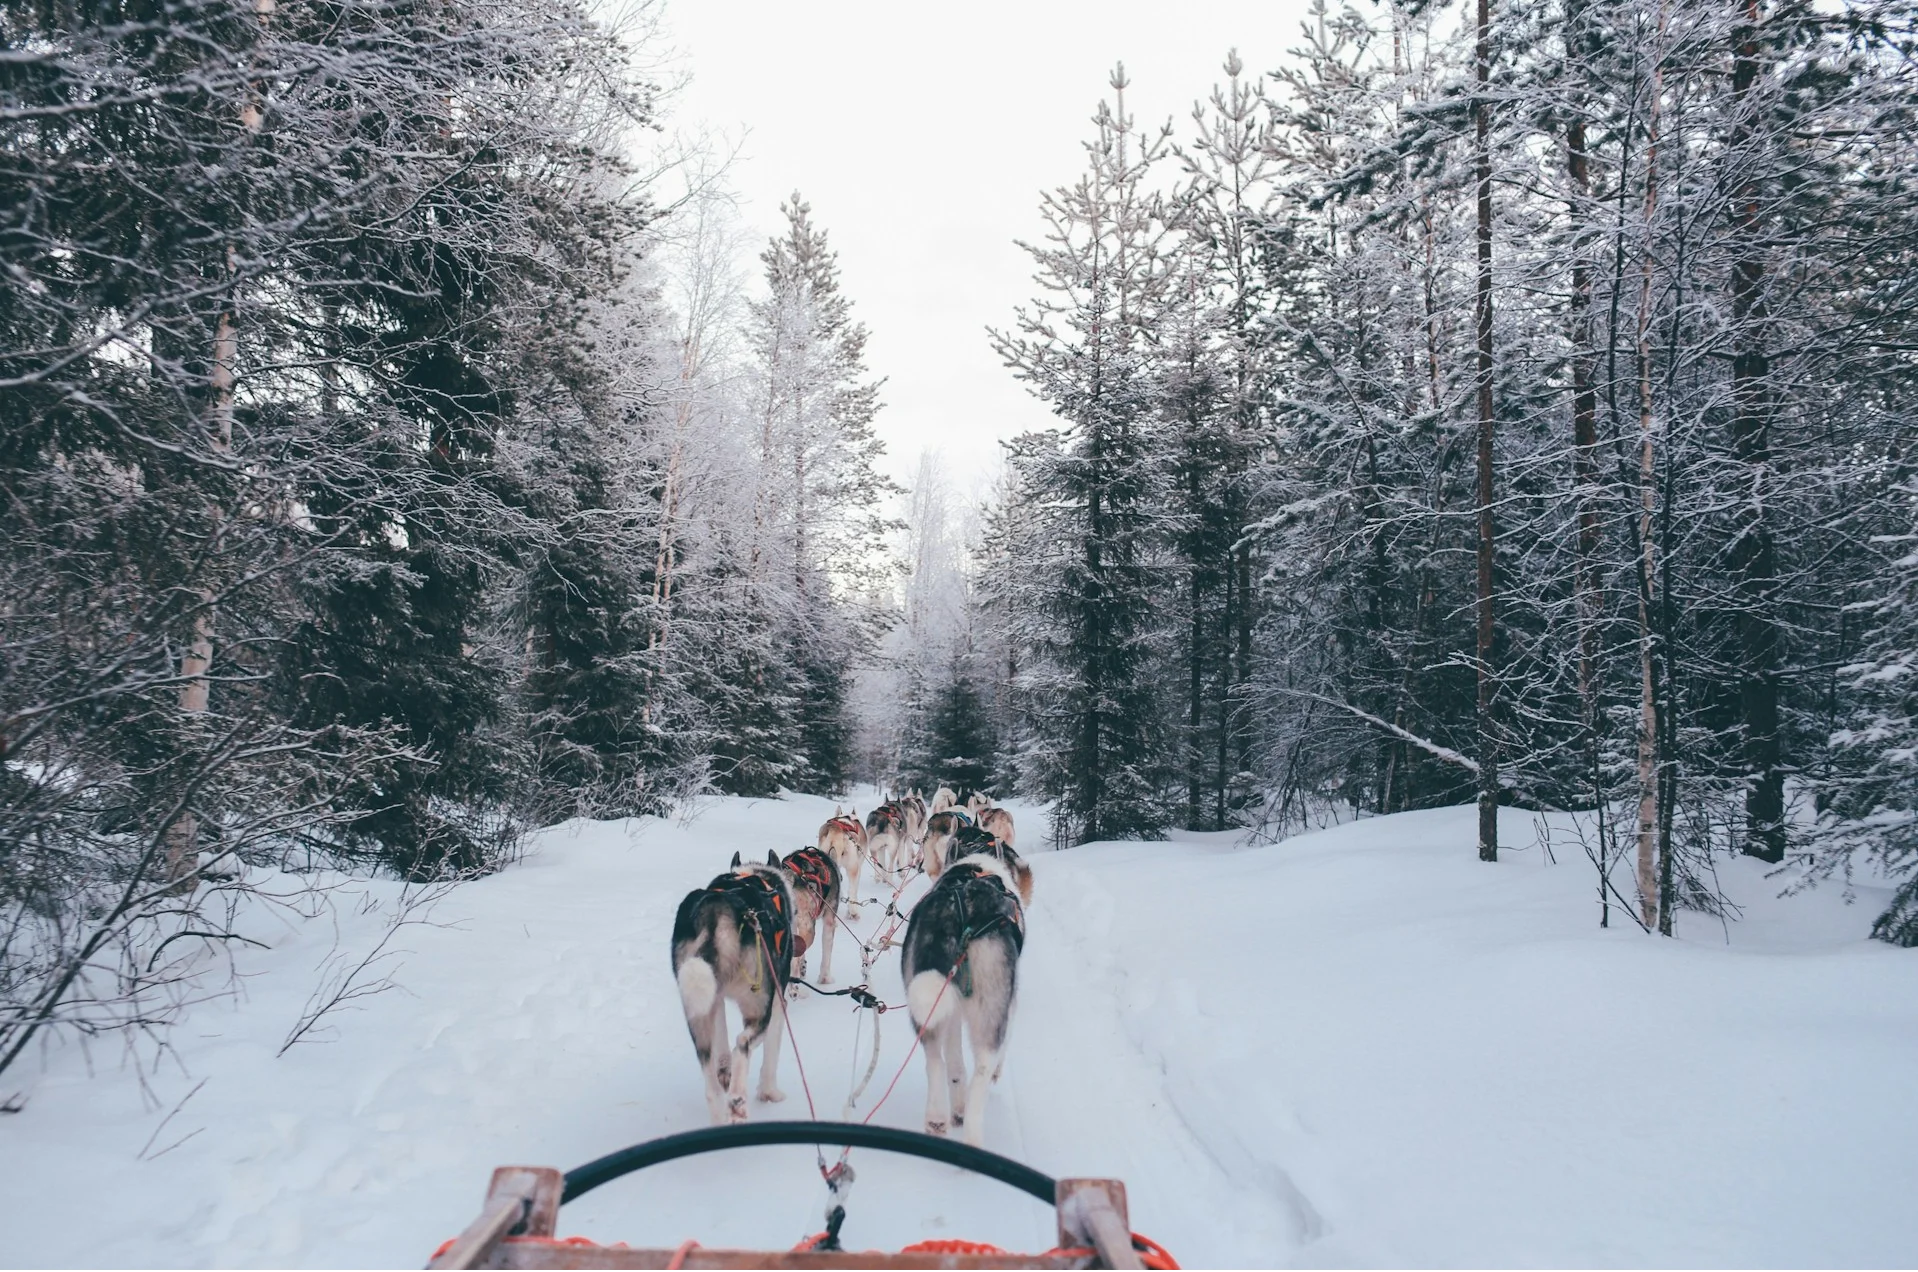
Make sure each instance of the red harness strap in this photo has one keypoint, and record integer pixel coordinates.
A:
(814, 873)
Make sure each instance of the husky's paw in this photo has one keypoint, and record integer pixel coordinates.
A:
(935, 1128)
(958, 1119)
(826, 979)
(737, 1107)
(795, 992)
(771, 1095)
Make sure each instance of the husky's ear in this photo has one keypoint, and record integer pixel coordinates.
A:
(772, 856)
(735, 861)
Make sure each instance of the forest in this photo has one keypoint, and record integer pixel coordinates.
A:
(403, 448)
(1509, 406)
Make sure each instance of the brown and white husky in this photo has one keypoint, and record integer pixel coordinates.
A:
(998, 822)
(976, 841)
(844, 836)
(815, 882)
(940, 829)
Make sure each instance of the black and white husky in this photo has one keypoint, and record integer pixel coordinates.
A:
(961, 968)
(968, 841)
(733, 940)
(915, 810)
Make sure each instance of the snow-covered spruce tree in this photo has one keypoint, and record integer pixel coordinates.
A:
(1867, 802)
(952, 744)
(1841, 502)
(1091, 644)
(816, 525)
(589, 475)
(1218, 391)
(1365, 694)
(1007, 618)
(461, 297)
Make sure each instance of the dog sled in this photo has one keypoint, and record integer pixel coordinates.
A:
(517, 1225)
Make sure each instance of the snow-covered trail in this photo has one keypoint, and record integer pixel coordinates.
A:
(1355, 1047)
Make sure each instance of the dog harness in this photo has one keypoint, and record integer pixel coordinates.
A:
(764, 903)
(1016, 916)
(812, 868)
(965, 879)
(814, 872)
(977, 839)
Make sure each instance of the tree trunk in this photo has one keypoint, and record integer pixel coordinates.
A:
(1487, 676)
(1753, 555)
(664, 550)
(1195, 703)
(1648, 724)
(1585, 453)
(180, 860)
(1229, 621)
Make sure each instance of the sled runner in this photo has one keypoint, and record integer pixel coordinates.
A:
(516, 1226)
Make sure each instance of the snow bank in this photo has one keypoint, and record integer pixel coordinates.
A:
(1359, 1046)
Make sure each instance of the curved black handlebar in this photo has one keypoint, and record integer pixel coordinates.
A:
(583, 1179)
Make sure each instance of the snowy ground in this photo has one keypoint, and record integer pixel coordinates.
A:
(1355, 1047)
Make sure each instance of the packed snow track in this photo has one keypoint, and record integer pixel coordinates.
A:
(1355, 1047)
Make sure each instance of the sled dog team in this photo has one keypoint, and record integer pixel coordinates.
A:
(745, 936)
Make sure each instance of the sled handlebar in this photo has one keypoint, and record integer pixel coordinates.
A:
(712, 1139)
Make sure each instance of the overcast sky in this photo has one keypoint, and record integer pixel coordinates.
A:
(922, 136)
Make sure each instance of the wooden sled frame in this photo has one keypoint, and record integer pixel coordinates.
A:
(517, 1225)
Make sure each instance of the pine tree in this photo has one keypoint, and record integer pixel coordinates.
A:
(954, 745)
(1223, 211)
(817, 528)
(1085, 349)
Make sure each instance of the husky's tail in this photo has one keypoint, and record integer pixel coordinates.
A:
(698, 987)
(932, 999)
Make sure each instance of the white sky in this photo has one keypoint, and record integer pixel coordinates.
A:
(922, 135)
